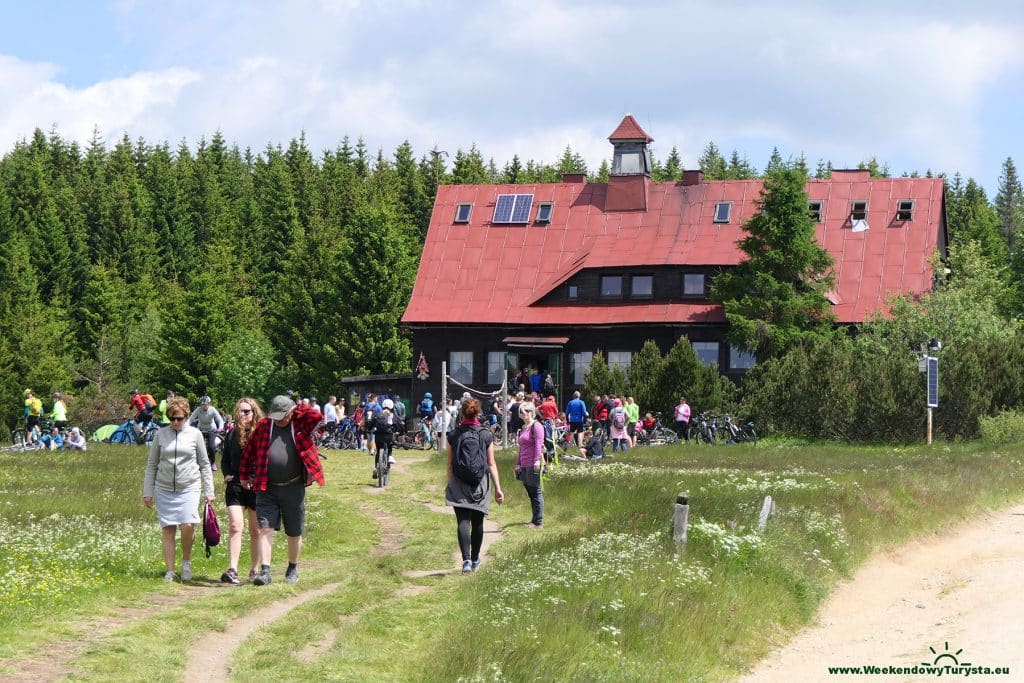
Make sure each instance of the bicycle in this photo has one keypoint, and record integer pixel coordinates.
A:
(706, 428)
(657, 435)
(737, 433)
(382, 466)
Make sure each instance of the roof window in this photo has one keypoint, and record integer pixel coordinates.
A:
(858, 211)
(462, 213)
(814, 208)
(544, 210)
(722, 212)
(512, 208)
(905, 210)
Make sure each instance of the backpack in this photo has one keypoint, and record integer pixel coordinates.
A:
(148, 401)
(619, 418)
(211, 529)
(470, 462)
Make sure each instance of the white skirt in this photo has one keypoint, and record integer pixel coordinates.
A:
(177, 507)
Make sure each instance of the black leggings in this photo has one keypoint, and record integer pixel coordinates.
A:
(470, 541)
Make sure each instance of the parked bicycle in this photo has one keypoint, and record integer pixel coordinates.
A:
(657, 435)
(703, 431)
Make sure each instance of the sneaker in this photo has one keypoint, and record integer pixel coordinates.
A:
(170, 577)
(231, 577)
(475, 565)
(391, 460)
(262, 579)
(252, 575)
(213, 466)
(186, 570)
(291, 576)
(467, 566)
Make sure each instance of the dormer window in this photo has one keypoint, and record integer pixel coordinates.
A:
(544, 210)
(858, 211)
(573, 292)
(641, 286)
(722, 212)
(814, 208)
(512, 208)
(611, 286)
(462, 213)
(905, 210)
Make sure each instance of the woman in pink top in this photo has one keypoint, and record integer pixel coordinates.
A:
(531, 459)
(683, 419)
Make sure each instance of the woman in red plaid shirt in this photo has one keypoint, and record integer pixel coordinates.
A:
(279, 462)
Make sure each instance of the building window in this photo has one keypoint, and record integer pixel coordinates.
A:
(815, 210)
(740, 359)
(544, 210)
(707, 352)
(611, 286)
(462, 213)
(574, 292)
(580, 366)
(495, 367)
(460, 366)
(629, 162)
(620, 360)
(693, 284)
(858, 211)
(642, 286)
(722, 212)
(905, 210)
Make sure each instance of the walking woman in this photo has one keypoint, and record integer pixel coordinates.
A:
(177, 468)
(472, 501)
(530, 461)
(241, 502)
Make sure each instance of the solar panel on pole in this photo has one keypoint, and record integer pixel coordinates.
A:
(933, 382)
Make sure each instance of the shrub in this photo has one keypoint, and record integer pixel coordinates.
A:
(1006, 427)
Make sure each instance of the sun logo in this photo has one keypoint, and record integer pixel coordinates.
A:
(947, 656)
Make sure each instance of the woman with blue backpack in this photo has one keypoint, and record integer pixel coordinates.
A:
(471, 474)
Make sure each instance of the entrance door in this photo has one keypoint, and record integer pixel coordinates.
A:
(555, 368)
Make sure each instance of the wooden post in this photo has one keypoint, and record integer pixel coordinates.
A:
(766, 509)
(443, 436)
(680, 518)
(504, 409)
(929, 425)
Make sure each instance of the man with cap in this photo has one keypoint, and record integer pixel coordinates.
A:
(279, 462)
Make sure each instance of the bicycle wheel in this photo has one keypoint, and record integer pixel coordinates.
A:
(749, 434)
(668, 436)
(382, 467)
(347, 440)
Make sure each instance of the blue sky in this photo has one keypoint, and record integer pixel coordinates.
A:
(919, 85)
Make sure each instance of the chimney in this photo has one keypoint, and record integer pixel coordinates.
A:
(693, 177)
(574, 178)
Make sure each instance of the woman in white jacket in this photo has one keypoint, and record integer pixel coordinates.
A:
(177, 468)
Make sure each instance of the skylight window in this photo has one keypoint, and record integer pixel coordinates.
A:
(544, 210)
(462, 213)
(858, 211)
(722, 212)
(905, 210)
(512, 208)
(815, 210)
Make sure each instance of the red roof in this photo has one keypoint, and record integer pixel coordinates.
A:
(484, 273)
(629, 129)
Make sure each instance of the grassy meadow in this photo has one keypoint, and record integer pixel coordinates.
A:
(599, 594)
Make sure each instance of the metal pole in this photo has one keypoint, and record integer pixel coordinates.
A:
(504, 409)
(929, 425)
(680, 518)
(443, 436)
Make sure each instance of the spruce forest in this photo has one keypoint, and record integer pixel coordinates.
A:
(211, 269)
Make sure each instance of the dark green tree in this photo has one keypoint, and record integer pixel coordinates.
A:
(712, 163)
(776, 296)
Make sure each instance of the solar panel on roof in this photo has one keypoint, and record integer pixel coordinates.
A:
(503, 208)
(521, 212)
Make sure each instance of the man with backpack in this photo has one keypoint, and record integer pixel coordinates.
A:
(471, 474)
(144, 404)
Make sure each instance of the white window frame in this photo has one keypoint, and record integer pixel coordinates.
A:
(817, 212)
(460, 364)
(905, 210)
(458, 213)
(706, 346)
(728, 212)
(544, 211)
(854, 211)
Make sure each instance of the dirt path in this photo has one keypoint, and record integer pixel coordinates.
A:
(960, 591)
(492, 534)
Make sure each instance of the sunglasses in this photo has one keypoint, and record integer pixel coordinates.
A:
(177, 418)
(245, 411)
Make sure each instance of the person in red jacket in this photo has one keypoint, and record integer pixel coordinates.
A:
(548, 410)
(279, 461)
(144, 403)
